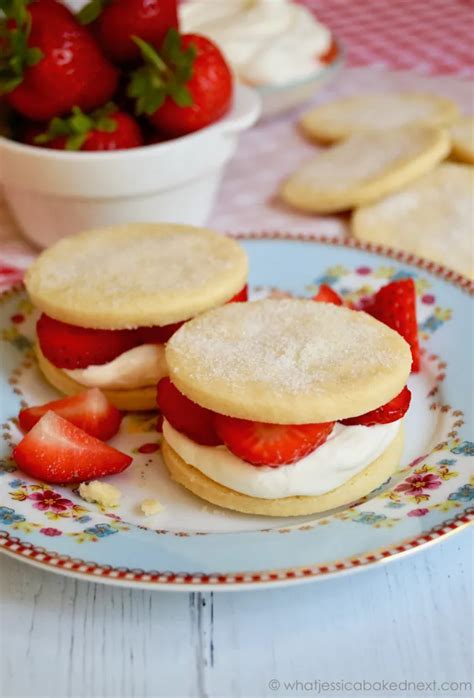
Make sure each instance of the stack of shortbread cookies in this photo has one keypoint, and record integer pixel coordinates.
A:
(385, 163)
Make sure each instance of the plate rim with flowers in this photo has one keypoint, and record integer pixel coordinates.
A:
(48, 558)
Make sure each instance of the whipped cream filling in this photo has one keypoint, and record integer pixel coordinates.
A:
(136, 368)
(266, 41)
(347, 451)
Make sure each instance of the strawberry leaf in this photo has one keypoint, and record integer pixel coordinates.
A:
(164, 74)
(91, 11)
(15, 53)
(78, 125)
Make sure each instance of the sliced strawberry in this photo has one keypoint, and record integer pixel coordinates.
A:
(157, 334)
(89, 411)
(331, 54)
(395, 306)
(185, 416)
(390, 412)
(57, 451)
(327, 295)
(270, 444)
(240, 297)
(69, 346)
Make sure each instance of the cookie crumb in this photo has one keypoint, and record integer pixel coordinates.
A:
(149, 507)
(100, 493)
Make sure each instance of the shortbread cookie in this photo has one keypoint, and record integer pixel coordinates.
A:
(431, 218)
(341, 119)
(136, 399)
(136, 275)
(288, 361)
(462, 139)
(364, 168)
(358, 486)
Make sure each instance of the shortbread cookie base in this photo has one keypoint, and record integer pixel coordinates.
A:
(462, 140)
(136, 275)
(288, 361)
(364, 168)
(130, 400)
(340, 119)
(431, 218)
(360, 485)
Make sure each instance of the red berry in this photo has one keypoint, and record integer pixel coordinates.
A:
(89, 411)
(390, 412)
(270, 444)
(61, 67)
(186, 416)
(69, 346)
(119, 20)
(184, 88)
(327, 295)
(57, 451)
(395, 306)
(106, 128)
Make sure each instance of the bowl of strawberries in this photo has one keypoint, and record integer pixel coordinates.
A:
(112, 116)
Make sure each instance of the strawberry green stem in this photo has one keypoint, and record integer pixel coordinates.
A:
(165, 73)
(15, 53)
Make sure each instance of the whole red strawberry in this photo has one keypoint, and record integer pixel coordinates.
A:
(115, 22)
(49, 63)
(184, 87)
(104, 129)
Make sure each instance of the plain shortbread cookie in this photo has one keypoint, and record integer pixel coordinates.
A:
(358, 486)
(462, 139)
(364, 168)
(136, 275)
(342, 118)
(432, 218)
(288, 361)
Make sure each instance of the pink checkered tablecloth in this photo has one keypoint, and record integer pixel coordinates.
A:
(390, 45)
(430, 36)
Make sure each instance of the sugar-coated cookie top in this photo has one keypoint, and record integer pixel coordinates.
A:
(135, 275)
(343, 117)
(288, 361)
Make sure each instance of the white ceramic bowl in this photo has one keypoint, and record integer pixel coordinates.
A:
(57, 193)
(277, 99)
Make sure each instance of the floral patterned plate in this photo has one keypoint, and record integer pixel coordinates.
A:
(191, 544)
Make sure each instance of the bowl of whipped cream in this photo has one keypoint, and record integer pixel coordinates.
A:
(276, 46)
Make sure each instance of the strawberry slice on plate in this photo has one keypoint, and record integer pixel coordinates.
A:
(185, 416)
(270, 444)
(90, 411)
(390, 412)
(240, 297)
(69, 346)
(327, 295)
(395, 306)
(57, 451)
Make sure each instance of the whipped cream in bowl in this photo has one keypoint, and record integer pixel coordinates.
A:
(277, 46)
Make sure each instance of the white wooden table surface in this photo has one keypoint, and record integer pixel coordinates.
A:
(411, 619)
